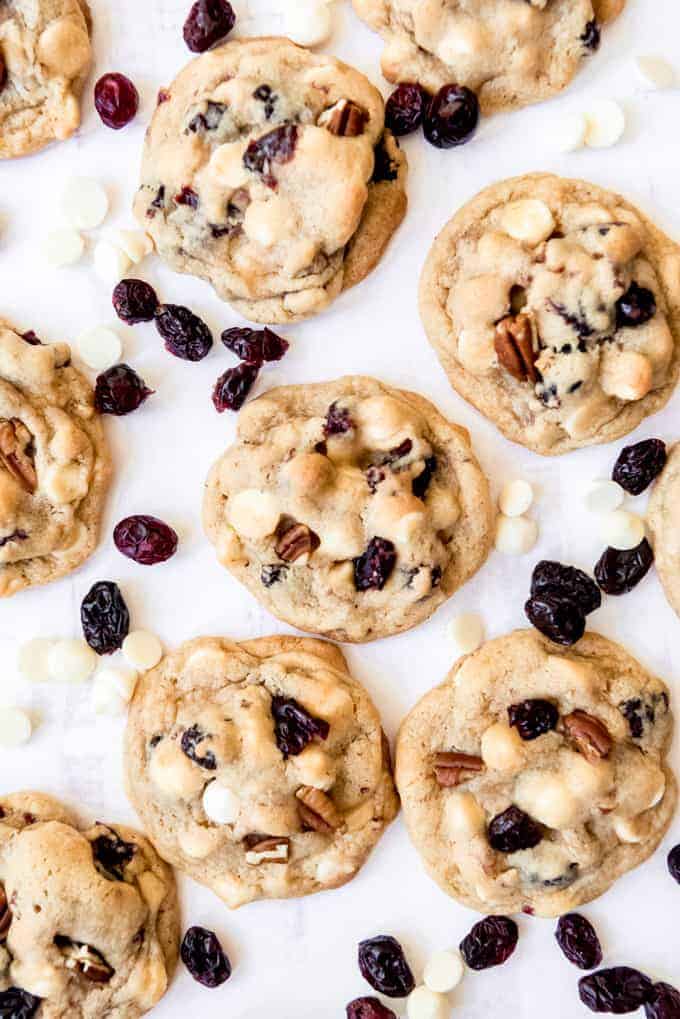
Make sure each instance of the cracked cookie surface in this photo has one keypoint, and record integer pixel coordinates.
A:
(54, 464)
(89, 915)
(267, 171)
(554, 307)
(280, 724)
(663, 516)
(349, 508)
(45, 57)
(510, 52)
(535, 776)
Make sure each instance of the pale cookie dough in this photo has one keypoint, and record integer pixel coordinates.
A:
(523, 296)
(259, 768)
(663, 517)
(510, 52)
(595, 788)
(348, 508)
(268, 172)
(89, 917)
(54, 464)
(45, 57)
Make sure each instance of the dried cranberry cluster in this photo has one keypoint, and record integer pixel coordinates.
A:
(449, 117)
(254, 347)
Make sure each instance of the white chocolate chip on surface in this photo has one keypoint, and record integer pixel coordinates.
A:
(515, 535)
(135, 243)
(604, 496)
(113, 689)
(99, 347)
(71, 661)
(15, 727)
(466, 632)
(84, 203)
(422, 1003)
(606, 124)
(443, 971)
(529, 220)
(308, 24)
(63, 247)
(142, 650)
(111, 263)
(33, 655)
(516, 498)
(220, 804)
(655, 72)
(570, 132)
(622, 529)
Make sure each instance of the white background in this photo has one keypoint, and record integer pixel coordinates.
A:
(296, 959)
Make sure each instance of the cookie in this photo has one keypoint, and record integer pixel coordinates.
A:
(259, 768)
(349, 508)
(663, 515)
(45, 57)
(510, 52)
(535, 776)
(554, 307)
(267, 171)
(54, 464)
(89, 917)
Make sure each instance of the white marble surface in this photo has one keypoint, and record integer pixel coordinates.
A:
(296, 960)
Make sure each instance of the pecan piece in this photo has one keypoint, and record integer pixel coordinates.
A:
(452, 768)
(15, 444)
(514, 344)
(5, 914)
(85, 959)
(345, 119)
(266, 849)
(590, 735)
(295, 542)
(317, 810)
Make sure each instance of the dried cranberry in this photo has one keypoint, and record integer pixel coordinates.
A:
(533, 718)
(636, 307)
(369, 1008)
(185, 334)
(294, 727)
(591, 36)
(451, 117)
(104, 617)
(383, 964)
(17, 535)
(277, 146)
(232, 388)
(562, 622)
(618, 990)
(208, 22)
(373, 477)
(638, 711)
(32, 338)
(491, 942)
(116, 100)
(145, 539)
(3, 72)
(664, 1003)
(673, 862)
(384, 166)
(338, 421)
(255, 345)
(135, 301)
(113, 854)
(264, 94)
(18, 1004)
(374, 568)
(513, 830)
(420, 485)
(565, 583)
(203, 956)
(187, 196)
(619, 571)
(120, 390)
(578, 940)
(272, 574)
(191, 738)
(405, 109)
(638, 465)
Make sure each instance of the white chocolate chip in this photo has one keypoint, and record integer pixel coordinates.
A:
(622, 529)
(65, 484)
(33, 659)
(99, 347)
(529, 220)
(502, 748)
(308, 24)
(570, 132)
(606, 124)
(71, 661)
(443, 971)
(63, 247)
(463, 816)
(111, 263)
(466, 632)
(515, 535)
(516, 498)
(84, 203)
(604, 497)
(135, 243)
(655, 72)
(142, 650)
(547, 798)
(113, 690)
(422, 1003)
(254, 514)
(220, 804)
(15, 727)
(628, 830)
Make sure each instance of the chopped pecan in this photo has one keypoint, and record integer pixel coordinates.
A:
(345, 119)
(15, 453)
(514, 344)
(85, 959)
(317, 810)
(590, 735)
(296, 541)
(452, 768)
(5, 914)
(266, 849)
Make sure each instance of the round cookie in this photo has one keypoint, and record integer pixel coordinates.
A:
(45, 57)
(90, 918)
(510, 52)
(554, 307)
(259, 768)
(663, 517)
(535, 776)
(349, 508)
(267, 171)
(54, 464)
